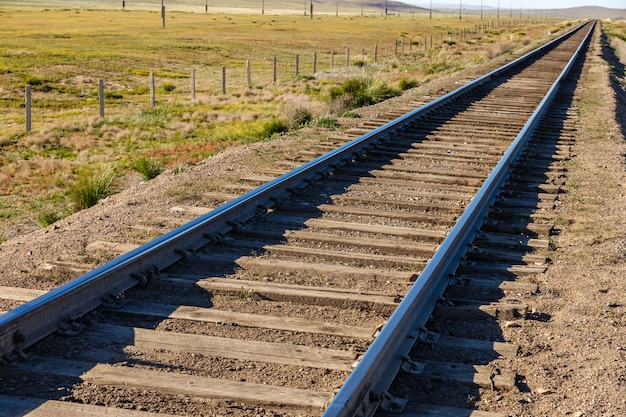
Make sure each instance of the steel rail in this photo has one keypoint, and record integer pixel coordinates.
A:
(36, 319)
(366, 387)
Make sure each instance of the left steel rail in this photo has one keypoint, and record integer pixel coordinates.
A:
(36, 319)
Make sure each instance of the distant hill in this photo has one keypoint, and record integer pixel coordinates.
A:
(421, 6)
(591, 12)
(595, 12)
(392, 6)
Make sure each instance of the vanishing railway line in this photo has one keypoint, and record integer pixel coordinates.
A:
(215, 317)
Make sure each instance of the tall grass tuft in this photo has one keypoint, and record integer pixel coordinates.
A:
(358, 92)
(272, 127)
(47, 217)
(149, 168)
(91, 187)
(327, 122)
(499, 48)
(407, 83)
(298, 116)
(168, 87)
(439, 66)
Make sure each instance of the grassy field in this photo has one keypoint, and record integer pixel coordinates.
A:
(616, 29)
(61, 54)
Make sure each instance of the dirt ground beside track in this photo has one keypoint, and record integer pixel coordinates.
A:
(573, 361)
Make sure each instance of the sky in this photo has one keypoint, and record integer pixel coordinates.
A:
(527, 4)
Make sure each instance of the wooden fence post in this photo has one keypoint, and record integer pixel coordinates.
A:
(297, 64)
(274, 68)
(152, 99)
(347, 57)
(101, 96)
(28, 107)
(223, 79)
(375, 53)
(193, 84)
(314, 62)
(248, 73)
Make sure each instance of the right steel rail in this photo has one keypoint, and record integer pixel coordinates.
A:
(367, 385)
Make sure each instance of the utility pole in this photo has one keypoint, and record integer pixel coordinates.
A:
(163, 12)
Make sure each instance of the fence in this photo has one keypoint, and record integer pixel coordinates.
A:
(400, 47)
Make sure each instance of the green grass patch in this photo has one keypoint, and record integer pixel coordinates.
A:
(49, 217)
(91, 187)
(326, 122)
(407, 83)
(149, 168)
(361, 91)
(273, 127)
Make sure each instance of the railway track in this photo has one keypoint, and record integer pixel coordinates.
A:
(321, 279)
